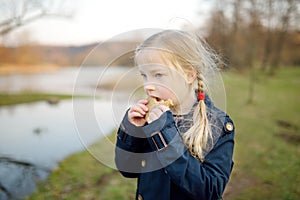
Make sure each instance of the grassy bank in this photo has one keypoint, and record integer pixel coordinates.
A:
(266, 155)
(27, 97)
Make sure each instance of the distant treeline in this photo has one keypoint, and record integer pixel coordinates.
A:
(262, 49)
(108, 53)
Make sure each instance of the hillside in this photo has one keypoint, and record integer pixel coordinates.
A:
(115, 53)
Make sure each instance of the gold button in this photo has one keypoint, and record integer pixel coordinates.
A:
(140, 197)
(143, 163)
(229, 126)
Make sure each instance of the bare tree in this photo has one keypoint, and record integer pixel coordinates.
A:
(17, 13)
(253, 36)
(218, 30)
(268, 15)
(286, 11)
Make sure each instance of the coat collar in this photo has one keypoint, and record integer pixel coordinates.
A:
(208, 102)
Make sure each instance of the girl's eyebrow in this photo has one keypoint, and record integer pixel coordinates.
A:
(154, 70)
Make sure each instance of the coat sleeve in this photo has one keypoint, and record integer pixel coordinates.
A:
(199, 180)
(130, 146)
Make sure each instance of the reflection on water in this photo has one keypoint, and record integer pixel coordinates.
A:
(41, 133)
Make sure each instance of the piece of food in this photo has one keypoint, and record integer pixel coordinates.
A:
(152, 102)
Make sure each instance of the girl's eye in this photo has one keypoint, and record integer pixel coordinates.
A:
(144, 76)
(158, 75)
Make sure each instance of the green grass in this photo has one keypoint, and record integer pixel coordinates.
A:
(267, 148)
(28, 97)
(268, 161)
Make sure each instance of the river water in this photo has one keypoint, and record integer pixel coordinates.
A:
(34, 137)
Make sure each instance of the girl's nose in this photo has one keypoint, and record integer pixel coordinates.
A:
(149, 87)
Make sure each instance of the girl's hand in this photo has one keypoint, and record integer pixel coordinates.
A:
(137, 112)
(156, 112)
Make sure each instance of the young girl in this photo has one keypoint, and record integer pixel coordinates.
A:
(181, 152)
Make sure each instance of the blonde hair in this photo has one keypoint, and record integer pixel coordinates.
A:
(188, 53)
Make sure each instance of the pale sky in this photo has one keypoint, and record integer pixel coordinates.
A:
(98, 20)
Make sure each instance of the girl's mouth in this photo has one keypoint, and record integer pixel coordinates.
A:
(157, 99)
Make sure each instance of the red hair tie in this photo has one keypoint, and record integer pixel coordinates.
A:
(201, 96)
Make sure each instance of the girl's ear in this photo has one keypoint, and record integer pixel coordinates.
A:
(191, 77)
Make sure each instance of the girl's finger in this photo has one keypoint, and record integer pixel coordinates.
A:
(137, 108)
(140, 107)
(143, 101)
(156, 112)
(159, 110)
(135, 115)
(163, 108)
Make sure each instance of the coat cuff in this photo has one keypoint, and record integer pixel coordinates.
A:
(159, 133)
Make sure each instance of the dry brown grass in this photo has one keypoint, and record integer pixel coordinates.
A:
(26, 69)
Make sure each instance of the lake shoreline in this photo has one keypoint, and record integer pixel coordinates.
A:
(7, 99)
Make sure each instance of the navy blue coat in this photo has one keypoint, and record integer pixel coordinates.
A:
(156, 155)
